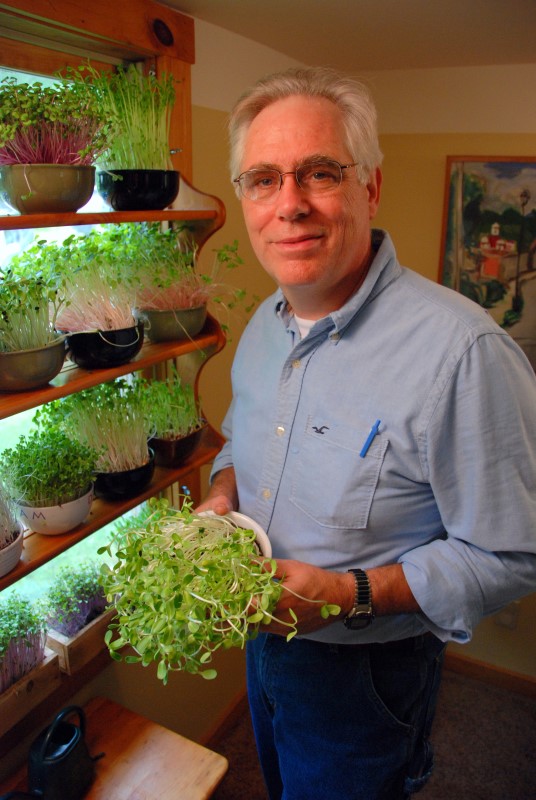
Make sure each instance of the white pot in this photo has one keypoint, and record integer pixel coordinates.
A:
(10, 555)
(245, 522)
(52, 520)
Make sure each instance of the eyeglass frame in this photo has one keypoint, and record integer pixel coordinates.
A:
(294, 172)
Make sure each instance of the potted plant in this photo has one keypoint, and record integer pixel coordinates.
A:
(22, 639)
(171, 296)
(96, 315)
(173, 418)
(31, 350)
(75, 610)
(50, 478)
(136, 169)
(11, 538)
(185, 584)
(29, 672)
(109, 419)
(50, 137)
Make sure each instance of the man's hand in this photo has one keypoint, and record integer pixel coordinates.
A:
(305, 590)
(222, 496)
(391, 594)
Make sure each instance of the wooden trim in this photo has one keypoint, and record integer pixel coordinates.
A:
(180, 137)
(124, 28)
(40, 60)
(488, 673)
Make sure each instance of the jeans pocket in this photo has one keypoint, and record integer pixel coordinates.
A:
(394, 686)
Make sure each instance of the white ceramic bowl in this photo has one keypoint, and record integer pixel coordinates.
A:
(10, 555)
(52, 520)
(243, 521)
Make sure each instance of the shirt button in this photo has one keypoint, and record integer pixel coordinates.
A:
(280, 431)
(296, 363)
(266, 493)
(334, 337)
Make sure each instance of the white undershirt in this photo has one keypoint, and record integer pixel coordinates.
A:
(304, 325)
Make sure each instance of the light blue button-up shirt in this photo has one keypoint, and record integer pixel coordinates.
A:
(447, 485)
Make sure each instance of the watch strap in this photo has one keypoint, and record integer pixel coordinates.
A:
(361, 614)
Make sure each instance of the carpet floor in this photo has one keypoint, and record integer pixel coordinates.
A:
(484, 740)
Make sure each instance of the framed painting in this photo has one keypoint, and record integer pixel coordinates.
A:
(488, 243)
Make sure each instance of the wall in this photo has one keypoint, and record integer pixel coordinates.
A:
(424, 116)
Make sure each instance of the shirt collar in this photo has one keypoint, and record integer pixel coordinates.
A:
(383, 270)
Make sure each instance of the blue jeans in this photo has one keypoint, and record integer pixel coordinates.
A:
(338, 722)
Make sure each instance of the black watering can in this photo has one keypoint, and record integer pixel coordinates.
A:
(59, 764)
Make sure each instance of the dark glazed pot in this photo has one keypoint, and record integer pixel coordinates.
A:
(122, 485)
(174, 452)
(138, 189)
(102, 349)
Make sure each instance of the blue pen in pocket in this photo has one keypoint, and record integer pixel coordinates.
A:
(370, 438)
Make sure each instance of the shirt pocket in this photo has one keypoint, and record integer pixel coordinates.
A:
(332, 483)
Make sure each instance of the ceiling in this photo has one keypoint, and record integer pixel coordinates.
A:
(358, 35)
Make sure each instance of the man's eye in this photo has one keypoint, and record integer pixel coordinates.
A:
(320, 173)
(263, 180)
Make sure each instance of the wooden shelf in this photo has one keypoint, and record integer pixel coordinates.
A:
(39, 549)
(141, 759)
(73, 379)
(20, 221)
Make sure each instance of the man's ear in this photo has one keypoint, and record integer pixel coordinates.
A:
(374, 190)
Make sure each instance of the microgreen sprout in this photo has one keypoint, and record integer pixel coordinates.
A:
(139, 107)
(59, 124)
(74, 598)
(9, 527)
(184, 586)
(107, 418)
(47, 468)
(22, 639)
(169, 406)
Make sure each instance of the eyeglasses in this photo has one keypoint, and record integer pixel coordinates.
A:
(316, 177)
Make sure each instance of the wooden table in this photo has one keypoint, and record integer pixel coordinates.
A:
(143, 760)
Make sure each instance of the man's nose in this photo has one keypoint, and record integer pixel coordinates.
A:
(291, 200)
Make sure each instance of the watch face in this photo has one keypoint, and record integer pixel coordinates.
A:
(360, 620)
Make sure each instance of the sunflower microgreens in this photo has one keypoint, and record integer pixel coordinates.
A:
(185, 585)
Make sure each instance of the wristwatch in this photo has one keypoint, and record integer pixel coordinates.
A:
(361, 614)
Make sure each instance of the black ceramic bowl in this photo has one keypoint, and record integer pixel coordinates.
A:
(122, 485)
(102, 349)
(174, 452)
(138, 189)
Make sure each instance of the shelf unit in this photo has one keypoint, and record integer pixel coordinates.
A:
(188, 355)
(43, 37)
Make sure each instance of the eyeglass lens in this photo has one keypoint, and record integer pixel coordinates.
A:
(319, 176)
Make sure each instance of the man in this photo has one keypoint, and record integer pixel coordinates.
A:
(381, 431)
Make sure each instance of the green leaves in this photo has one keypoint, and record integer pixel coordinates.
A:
(139, 107)
(47, 468)
(107, 418)
(74, 597)
(169, 406)
(22, 638)
(8, 516)
(29, 302)
(59, 124)
(185, 586)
